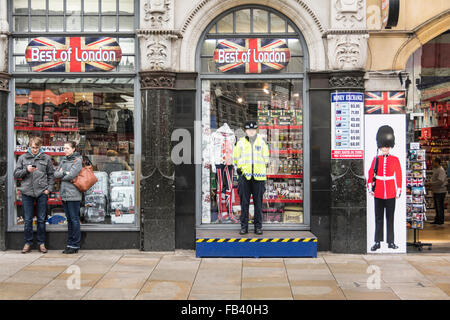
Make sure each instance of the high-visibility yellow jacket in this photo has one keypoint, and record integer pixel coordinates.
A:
(252, 162)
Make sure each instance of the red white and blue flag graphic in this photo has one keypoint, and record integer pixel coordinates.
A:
(414, 182)
(384, 102)
(73, 54)
(251, 55)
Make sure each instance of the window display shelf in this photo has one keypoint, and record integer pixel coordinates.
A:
(49, 129)
(286, 151)
(288, 127)
(47, 153)
(285, 176)
(282, 201)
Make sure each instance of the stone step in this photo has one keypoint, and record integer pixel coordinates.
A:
(229, 243)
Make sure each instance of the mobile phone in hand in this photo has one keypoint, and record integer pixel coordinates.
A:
(33, 166)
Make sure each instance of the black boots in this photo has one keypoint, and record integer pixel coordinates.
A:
(243, 231)
(70, 250)
(392, 246)
(375, 247)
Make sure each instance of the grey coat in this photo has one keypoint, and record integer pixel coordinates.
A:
(73, 165)
(34, 184)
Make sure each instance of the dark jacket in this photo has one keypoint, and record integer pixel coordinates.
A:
(73, 165)
(34, 184)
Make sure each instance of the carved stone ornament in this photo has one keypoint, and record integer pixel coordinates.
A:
(159, 13)
(348, 13)
(347, 52)
(4, 81)
(348, 82)
(157, 80)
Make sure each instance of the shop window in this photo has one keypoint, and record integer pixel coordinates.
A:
(73, 15)
(277, 106)
(247, 24)
(96, 113)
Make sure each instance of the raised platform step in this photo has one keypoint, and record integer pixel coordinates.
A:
(229, 243)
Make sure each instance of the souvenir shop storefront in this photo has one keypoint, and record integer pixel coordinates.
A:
(73, 67)
(252, 64)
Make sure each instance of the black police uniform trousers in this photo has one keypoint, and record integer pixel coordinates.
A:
(380, 206)
(246, 188)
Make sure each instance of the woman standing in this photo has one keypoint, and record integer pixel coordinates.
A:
(36, 170)
(68, 169)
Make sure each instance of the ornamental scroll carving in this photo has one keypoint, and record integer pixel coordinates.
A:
(348, 14)
(159, 13)
(347, 51)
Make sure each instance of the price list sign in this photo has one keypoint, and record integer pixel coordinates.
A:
(347, 111)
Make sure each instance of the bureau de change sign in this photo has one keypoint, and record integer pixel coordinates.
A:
(251, 55)
(73, 54)
(347, 111)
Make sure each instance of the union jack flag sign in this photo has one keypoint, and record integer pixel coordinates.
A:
(73, 54)
(414, 182)
(384, 102)
(251, 55)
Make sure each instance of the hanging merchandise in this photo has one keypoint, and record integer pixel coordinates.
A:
(221, 157)
(416, 192)
(100, 121)
(113, 119)
(84, 108)
(125, 121)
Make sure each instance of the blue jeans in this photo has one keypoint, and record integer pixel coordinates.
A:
(72, 210)
(28, 211)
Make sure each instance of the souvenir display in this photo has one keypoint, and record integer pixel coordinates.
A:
(57, 115)
(415, 190)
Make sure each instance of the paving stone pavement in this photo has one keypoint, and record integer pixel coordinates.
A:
(132, 274)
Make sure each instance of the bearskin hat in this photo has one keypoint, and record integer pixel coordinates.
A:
(385, 137)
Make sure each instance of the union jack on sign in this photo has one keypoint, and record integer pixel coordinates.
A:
(384, 102)
(414, 182)
(251, 55)
(73, 54)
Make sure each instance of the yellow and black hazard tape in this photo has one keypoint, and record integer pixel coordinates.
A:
(209, 240)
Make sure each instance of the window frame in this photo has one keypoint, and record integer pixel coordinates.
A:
(306, 225)
(11, 225)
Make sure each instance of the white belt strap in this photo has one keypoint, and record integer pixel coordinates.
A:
(385, 178)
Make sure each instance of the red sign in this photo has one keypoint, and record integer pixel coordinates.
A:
(347, 154)
(73, 54)
(426, 133)
(251, 55)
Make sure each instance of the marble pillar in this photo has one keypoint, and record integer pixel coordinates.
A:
(348, 192)
(4, 90)
(157, 183)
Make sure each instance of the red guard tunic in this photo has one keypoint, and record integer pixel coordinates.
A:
(389, 177)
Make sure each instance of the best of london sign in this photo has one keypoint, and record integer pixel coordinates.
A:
(251, 55)
(73, 54)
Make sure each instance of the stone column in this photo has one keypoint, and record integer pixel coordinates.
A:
(157, 183)
(347, 55)
(157, 42)
(4, 90)
(348, 191)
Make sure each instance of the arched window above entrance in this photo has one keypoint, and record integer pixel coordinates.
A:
(251, 34)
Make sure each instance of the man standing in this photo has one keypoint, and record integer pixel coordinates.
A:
(439, 188)
(251, 156)
(35, 168)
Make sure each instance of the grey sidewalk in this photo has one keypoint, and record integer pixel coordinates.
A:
(131, 274)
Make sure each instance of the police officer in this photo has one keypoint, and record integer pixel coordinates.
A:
(385, 185)
(251, 156)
